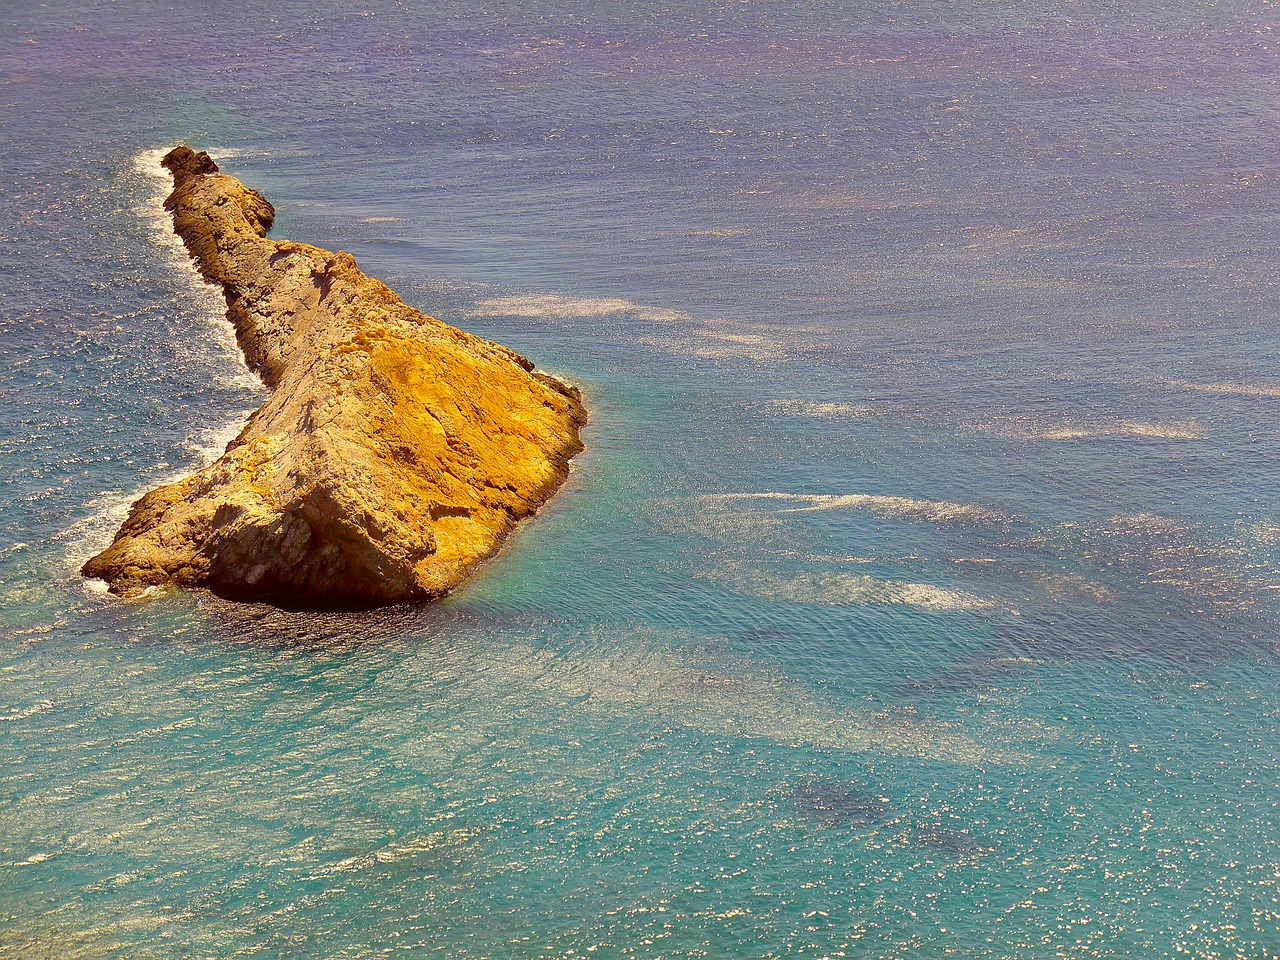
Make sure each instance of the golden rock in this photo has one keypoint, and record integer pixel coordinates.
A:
(394, 454)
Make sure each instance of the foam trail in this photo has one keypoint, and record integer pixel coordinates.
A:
(937, 511)
(1173, 430)
(1226, 570)
(820, 411)
(552, 307)
(836, 589)
(1237, 389)
(679, 332)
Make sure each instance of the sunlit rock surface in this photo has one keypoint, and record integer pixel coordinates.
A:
(394, 454)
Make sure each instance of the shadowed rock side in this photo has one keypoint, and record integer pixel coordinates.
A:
(394, 454)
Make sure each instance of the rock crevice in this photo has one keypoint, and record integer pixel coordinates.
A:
(394, 454)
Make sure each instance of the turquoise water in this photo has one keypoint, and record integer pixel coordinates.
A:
(916, 595)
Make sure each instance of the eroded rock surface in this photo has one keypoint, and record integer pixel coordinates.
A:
(394, 454)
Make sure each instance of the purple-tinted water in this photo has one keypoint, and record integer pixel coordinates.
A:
(916, 595)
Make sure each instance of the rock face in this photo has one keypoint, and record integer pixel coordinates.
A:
(394, 454)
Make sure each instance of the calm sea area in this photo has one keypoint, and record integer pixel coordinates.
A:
(917, 595)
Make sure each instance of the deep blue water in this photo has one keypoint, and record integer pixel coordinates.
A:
(918, 592)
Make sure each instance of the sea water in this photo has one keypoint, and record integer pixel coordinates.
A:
(916, 595)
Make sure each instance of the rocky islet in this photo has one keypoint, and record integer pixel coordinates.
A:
(394, 454)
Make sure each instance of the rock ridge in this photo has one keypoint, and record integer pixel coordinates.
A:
(394, 454)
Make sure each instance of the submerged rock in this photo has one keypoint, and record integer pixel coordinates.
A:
(394, 454)
(837, 803)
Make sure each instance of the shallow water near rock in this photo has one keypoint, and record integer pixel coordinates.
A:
(916, 594)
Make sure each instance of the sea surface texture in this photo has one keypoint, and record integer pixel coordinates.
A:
(917, 595)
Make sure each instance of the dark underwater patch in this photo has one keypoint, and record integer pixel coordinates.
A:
(840, 803)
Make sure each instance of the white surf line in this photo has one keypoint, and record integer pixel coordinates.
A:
(153, 213)
(88, 536)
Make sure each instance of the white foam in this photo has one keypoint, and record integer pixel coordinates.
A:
(1058, 586)
(153, 213)
(107, 513)
(748, 339)
(1227, 571)
(552, 307)
(861, 200)
(403, 851)
(149, 162)
(87, 537)
(834, 588)
(937, 511)
(1238, 389)
(21, 713)
(712, 339)
(1169, 430)
(1259, 534)
(721, 232)
(209, 447)
(152, 210)
(823, 411)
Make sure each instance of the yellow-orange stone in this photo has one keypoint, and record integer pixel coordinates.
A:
(394, 453)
